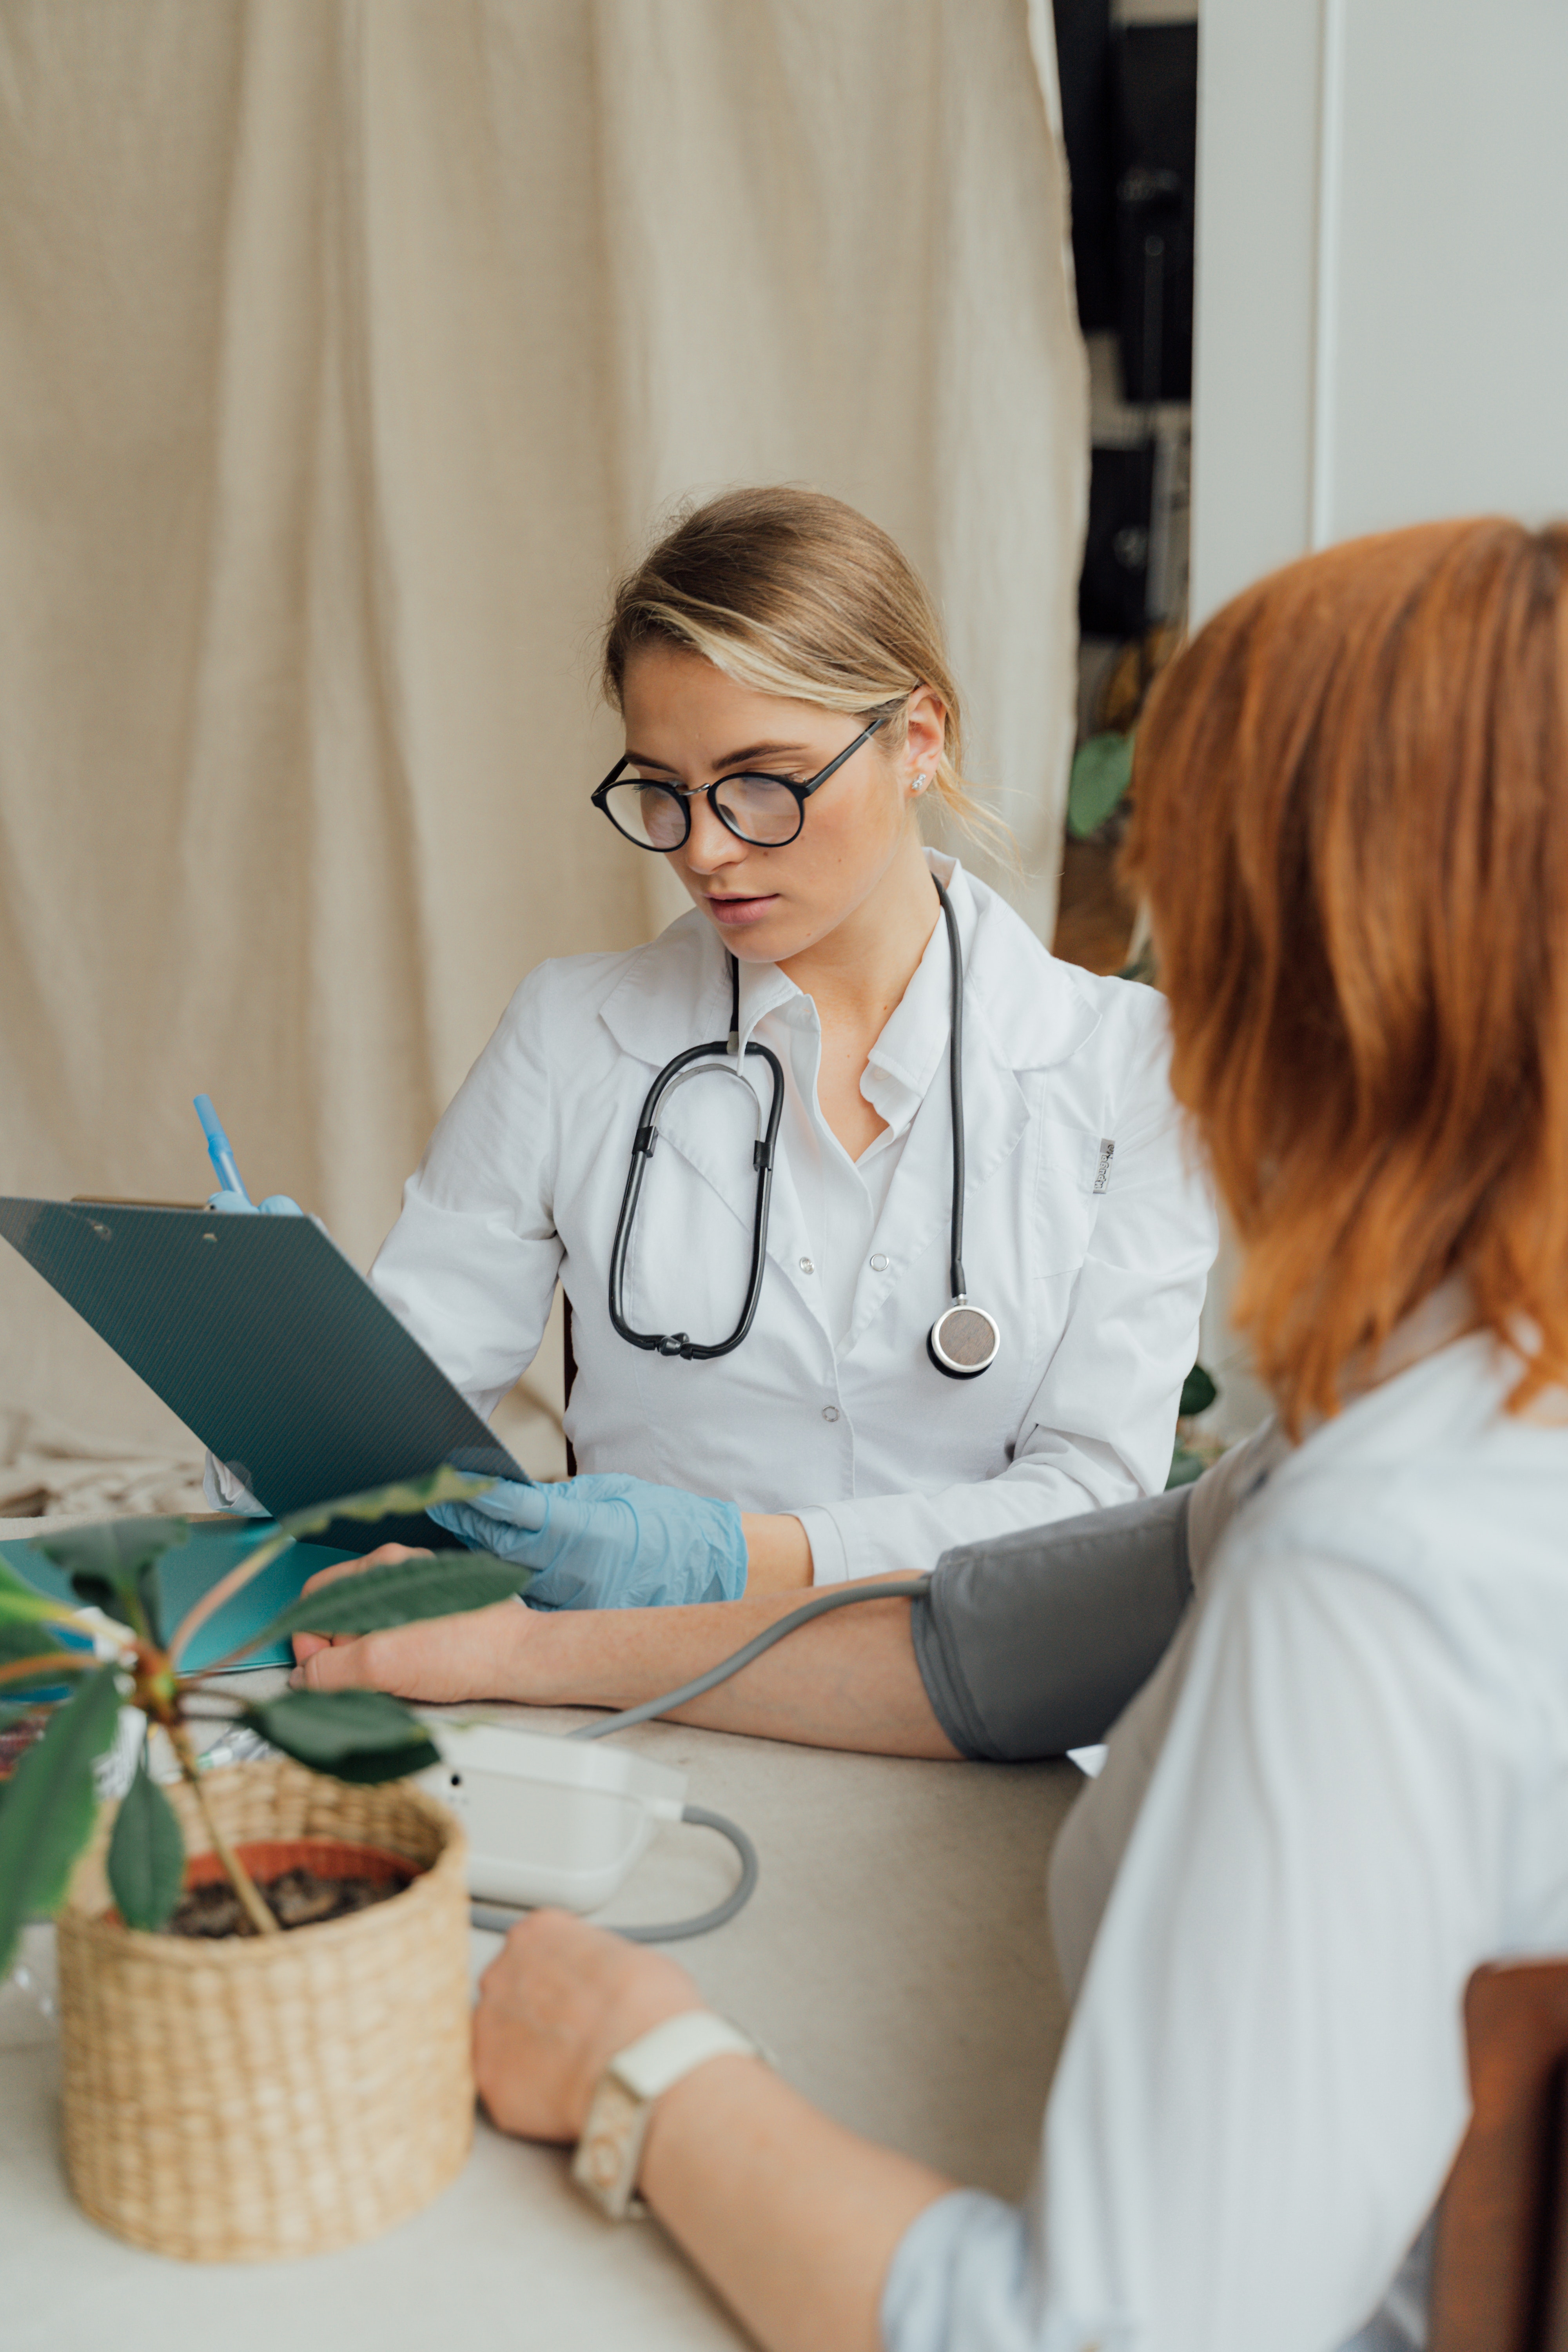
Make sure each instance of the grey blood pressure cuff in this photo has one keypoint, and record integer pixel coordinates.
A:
(1032, 1644)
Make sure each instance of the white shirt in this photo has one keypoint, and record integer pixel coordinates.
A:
(1344, 1788)
(831, 1408)
(842, 1200)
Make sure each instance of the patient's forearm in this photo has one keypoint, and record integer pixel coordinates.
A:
(849, 1680)
(794, 2219)
(778, 1553)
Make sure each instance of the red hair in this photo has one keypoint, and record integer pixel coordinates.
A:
(1350, 823)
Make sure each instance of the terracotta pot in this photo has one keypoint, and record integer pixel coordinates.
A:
(251, 2097)
(268, 1858)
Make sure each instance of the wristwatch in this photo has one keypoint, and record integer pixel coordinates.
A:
(610, 2150)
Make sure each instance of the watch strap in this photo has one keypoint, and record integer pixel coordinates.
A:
(605, 2165)
(656, 2063)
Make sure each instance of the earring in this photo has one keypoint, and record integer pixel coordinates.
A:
(920, 783)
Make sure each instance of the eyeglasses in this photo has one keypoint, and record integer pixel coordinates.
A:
(764, 811)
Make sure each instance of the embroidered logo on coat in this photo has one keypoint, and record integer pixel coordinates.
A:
(1103, 1173)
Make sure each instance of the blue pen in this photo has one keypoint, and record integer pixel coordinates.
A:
(219, 1150)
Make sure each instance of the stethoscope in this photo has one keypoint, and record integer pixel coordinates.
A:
(964, 1341)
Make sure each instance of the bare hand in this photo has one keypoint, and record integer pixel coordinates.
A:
(554, 2009)
(439, 1659)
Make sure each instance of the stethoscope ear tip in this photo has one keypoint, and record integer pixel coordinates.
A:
(963, 1342)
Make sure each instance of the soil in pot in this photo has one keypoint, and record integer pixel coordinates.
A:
(303, 1882)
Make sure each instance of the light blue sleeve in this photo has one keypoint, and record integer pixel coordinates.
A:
(962, 2281)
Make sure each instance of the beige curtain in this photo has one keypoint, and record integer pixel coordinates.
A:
(348, 346)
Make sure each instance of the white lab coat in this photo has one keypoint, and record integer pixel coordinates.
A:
(1342, 1789)
(886, 1461)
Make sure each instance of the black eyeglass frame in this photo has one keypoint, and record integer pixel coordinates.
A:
(684, 796)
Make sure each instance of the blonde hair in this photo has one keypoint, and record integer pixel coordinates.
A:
(794, 594)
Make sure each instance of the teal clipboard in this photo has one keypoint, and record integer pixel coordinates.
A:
(268, 1344)
(191, 1570)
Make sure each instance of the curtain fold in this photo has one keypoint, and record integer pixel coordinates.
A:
(348, 348)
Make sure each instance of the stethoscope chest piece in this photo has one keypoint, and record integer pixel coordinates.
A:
(963, 1342)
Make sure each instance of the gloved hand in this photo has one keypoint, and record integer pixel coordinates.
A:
(277, 1204)
(607, 1541)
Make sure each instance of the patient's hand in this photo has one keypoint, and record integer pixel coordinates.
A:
(440, 1659)
(553, 2010)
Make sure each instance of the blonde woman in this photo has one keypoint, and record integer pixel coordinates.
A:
(777, 1390)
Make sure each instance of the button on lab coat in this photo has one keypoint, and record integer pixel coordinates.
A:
(1092, 1263)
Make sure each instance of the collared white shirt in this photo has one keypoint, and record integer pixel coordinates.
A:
(1093, 1263)
(1343, 1787)
(842, 1200)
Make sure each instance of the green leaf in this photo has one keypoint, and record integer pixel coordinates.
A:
(1199, 1391)
(112, 1566)
(404, 1500)
(149, 1592)
(399, 1592)
(28, 1639)
(31, 1640)
(49, 1808)
(13, 1587)
(22, 1603)
(1186, 1467)
(146, 1853)
(353, 1735)
(1102, 772)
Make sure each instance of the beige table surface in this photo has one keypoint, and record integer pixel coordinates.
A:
(894, 1958)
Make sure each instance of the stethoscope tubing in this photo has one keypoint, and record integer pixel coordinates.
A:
(955, 1091)
(679, 1343)
(727, 1052)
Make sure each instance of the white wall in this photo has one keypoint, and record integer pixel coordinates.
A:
(1382, 272)
(1382, 329)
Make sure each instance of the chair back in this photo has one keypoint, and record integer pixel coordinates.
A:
(1499, 2268)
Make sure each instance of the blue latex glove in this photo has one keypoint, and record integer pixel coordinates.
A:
(607, 1542)
(234, 1205)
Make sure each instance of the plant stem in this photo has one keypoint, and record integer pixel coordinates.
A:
(55, 1662)
(239, 1878)
(225, 1589)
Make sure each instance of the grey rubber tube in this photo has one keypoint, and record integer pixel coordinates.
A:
(500, 1917)
(1032, 1644)
(821, 1605)
(1028, 1644)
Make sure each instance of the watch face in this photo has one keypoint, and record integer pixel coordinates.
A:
(606, 2155)
(602, 2157)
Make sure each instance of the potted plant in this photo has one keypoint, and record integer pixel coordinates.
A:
(234, 2090)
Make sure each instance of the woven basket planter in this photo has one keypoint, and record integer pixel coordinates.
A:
(264, 2096)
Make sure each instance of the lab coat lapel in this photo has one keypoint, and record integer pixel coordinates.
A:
(673, 995)
(1022, 1011)
(919, 1200)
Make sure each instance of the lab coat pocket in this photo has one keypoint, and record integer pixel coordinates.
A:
(1071, 1163)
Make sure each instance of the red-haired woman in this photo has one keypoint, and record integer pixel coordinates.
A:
(1344, 1785)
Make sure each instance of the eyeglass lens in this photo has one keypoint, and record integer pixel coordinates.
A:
(761, 811)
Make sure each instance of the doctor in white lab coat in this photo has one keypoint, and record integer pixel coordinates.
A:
(1091, 1258)
(827, 1444)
